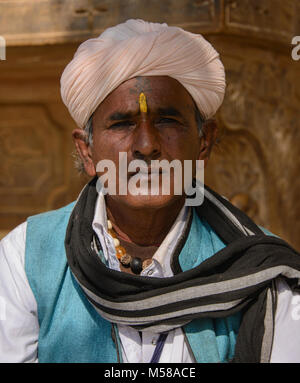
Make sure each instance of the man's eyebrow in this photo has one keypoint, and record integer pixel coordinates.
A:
(117, 116)
(169, 111)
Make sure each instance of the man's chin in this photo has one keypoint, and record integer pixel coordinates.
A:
(147, 201)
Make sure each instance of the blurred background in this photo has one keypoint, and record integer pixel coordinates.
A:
(256, 161)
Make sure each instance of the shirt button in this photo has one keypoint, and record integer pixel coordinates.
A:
(154, 341)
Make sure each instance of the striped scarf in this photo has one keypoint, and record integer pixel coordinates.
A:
(239, 277)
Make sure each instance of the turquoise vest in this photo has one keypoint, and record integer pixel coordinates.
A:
(70, 328)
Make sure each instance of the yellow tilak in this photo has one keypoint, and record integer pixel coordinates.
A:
(143, 103)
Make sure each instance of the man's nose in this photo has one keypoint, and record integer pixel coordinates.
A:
(146, 142)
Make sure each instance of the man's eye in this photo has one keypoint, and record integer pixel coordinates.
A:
(122, 124)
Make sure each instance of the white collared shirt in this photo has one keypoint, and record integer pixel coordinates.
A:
(136, 348)
(19, 328)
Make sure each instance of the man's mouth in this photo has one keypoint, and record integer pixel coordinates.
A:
(146, 172)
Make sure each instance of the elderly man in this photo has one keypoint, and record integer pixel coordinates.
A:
(146, 277)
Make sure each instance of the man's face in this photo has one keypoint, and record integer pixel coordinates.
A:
(166, 131)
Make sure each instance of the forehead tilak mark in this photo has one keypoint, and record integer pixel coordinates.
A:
(143, 103)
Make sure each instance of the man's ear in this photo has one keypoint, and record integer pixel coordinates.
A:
(84, 151)
(209, 136)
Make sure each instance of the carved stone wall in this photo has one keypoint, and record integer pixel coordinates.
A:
(256, 162)
(36, 163)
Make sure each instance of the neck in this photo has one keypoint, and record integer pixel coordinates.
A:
(145, 226)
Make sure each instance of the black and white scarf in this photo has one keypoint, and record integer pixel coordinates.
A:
(239, 277)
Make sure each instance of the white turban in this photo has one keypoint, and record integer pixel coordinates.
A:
(139, 48)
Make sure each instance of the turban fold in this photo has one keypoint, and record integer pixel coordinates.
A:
(139, 48)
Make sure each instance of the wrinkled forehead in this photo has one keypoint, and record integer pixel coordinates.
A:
(160, 92)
